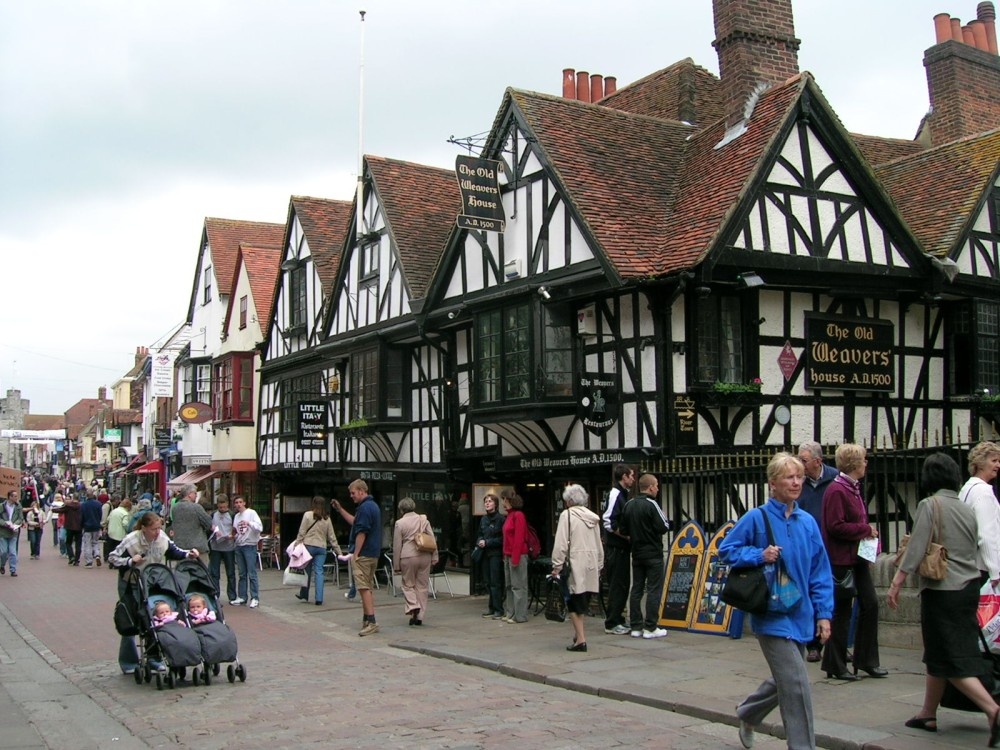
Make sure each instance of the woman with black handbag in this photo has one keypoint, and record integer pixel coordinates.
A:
(783, 632)
(578, 548)
(948, 607)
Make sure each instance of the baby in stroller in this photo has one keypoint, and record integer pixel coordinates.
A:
(217, 640)
(163, 613)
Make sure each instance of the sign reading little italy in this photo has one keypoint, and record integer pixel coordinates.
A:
(480, 188)
(312, 424)
(849, 354)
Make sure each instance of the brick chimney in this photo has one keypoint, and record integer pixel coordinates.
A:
(102, 394)
(756, 44)
(141, 353)
(963, 81)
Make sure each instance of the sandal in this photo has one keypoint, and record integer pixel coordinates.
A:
(928, 725)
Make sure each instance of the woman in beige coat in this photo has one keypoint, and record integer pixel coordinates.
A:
(414, 565)
(578, 540)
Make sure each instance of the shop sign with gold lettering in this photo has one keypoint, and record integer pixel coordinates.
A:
(850, 354)
(479, 185)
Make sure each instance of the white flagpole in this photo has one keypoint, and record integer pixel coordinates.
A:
(359, 205)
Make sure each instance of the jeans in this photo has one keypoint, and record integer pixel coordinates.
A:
(56, 534)
(216, 558)
(8, 552)
(493, 573)
(246, 559)
(35, 541)
(61, 537)
(91, 547)
(647, 577)
(616, 568)
(315, 571)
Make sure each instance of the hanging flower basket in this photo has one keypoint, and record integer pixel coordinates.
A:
(733, 394)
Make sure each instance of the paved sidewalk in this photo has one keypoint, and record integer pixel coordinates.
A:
(704, 676)
(62, 690)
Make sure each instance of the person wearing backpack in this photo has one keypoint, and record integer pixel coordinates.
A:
(515, 558)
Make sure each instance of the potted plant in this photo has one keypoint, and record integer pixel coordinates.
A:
(737, 394)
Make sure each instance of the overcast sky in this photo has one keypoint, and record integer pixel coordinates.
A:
(124, 123)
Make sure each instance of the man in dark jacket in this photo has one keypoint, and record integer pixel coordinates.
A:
(644, 523)
(73, 527)
(617, 551)
(90, 525)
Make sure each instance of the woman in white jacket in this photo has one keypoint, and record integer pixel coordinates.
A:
(984, 462)
(578, 543)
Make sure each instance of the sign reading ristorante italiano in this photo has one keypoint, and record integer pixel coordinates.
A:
(849, 354)
(480, 188)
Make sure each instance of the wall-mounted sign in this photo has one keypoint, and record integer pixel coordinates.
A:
(302, 465)
(195, 412)
(788, 360)
(312, 424)
(480, 188)
(161, 376)
(597, 402)
(850, 354)
(112, 435)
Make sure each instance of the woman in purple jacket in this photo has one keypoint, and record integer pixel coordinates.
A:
(845, 524)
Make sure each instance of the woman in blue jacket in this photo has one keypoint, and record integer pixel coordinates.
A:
(783, 636)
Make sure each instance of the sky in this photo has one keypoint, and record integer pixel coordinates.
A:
(124, 123)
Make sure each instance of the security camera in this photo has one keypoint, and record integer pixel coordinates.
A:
(543, 292)
(452, 315)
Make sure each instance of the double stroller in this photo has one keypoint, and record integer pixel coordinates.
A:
(166, 652)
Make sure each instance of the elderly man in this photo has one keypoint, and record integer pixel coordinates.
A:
(189, 523)
(818, 477)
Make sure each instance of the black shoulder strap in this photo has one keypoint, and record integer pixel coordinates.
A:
(767, 525)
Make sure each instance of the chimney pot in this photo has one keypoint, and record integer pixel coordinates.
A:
(569, 83)
(986, 13)
(583, 86)
(942, 27)
(979, 35)
(596, 87)
(956, 29)
(967, 36)
(610, 85)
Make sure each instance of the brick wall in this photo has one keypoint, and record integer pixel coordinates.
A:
(964, 87)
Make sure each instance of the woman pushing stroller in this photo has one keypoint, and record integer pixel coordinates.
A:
(147, 544)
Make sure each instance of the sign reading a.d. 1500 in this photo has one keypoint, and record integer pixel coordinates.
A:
(850, 354)
(479, 185)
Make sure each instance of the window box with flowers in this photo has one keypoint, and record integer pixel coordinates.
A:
(733, 394)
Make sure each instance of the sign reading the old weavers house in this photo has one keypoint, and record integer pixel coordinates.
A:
(850, 354)
(480, 188)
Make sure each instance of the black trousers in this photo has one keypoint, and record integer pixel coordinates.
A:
(647, 577)
(74, 545)
(616, 572)
(866, 633)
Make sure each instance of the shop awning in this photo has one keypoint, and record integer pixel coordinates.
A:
(139, 460)
(153, 467)
(195, 475)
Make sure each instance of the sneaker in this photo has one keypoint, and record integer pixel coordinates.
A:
(369, 629)
(13, 574)
(88, 565)
(237, 601)
(98, 561)
(617, 630)
(347, 595)
(487, 613)
(498, 616)
(746, 734)
(254, 602)
(507, 618)
(635, 633)
(655, 633)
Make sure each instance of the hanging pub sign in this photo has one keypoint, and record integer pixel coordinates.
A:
(850, 354)
(597, 402)
(480, 188)
(312, 424)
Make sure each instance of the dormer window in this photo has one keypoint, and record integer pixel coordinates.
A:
(369, 260)
(207, 286)
(243, 311)
(297, 297)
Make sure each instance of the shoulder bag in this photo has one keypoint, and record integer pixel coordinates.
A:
(424, 540)
(557, 594)
(935, 563)
(747, 588)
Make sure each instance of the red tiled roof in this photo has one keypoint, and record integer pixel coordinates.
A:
(937, 190)
(714, 181)
(879, 150)
(684, 91)
(262, 271)
(420, 205)
(44, 421)
(126, 416)
(224, 238)
(619, 171)
(326, 224)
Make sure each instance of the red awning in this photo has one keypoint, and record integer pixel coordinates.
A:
(139, 460)
(153, 467)
(195, 475)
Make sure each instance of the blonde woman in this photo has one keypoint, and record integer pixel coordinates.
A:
(984, 462)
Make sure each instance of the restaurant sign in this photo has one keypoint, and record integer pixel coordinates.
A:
(597, 402)
(850, 354)
(480, 188)
(312, 424)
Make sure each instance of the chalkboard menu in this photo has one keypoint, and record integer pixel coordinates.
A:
(682, 574)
